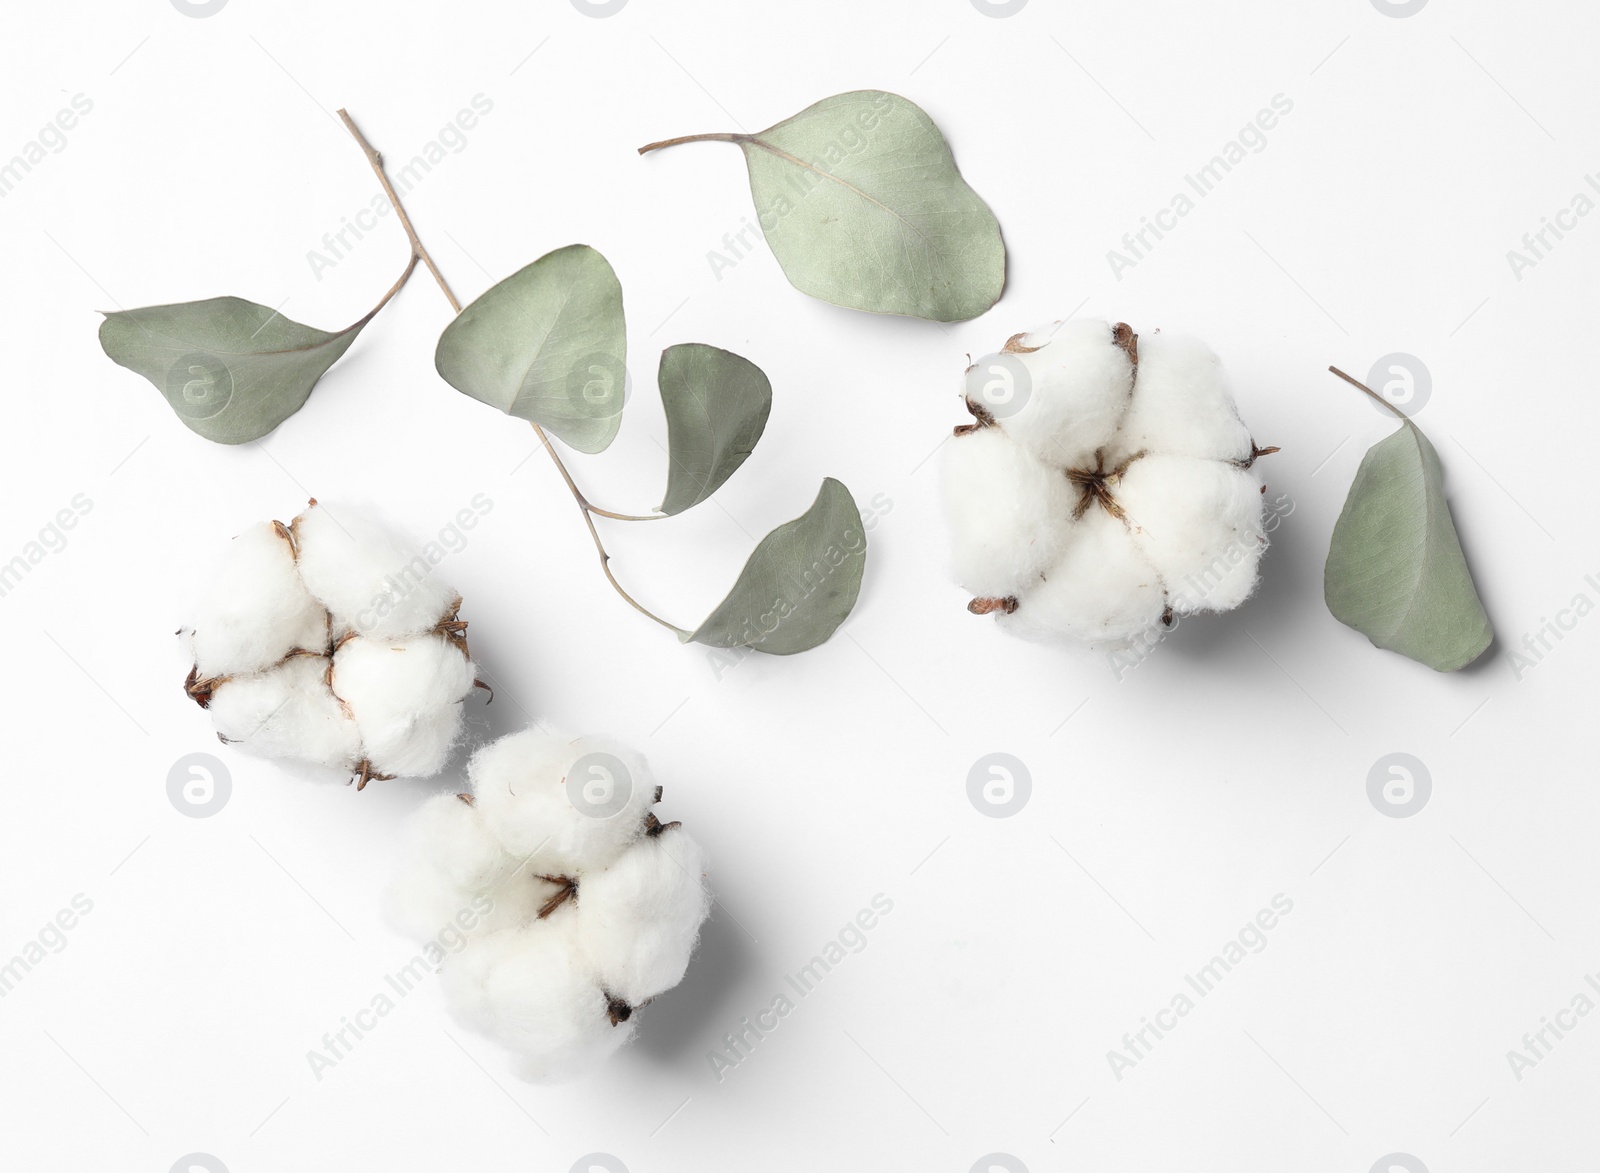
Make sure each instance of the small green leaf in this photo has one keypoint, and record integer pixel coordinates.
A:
(801, 581)
(547, 345)
(1395, 569)
(231, 369)
(717, 404)
(863, 206)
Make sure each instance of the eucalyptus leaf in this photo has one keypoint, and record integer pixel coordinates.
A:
(801, 581)
(861, 201)
(1395, 569)
(717, 404)
(547, 345)
(232, 370)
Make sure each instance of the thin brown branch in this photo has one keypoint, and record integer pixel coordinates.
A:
(1357, 383)
(722, 137)
(420, 253)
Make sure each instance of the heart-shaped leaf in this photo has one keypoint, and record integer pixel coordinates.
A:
(547, 345)
(231, 369)
(1395, 569)
(801, 581)
(717, 404)
(863, 206)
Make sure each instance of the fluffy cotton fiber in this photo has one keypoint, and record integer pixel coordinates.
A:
(329, 642)
(575, 904)
(1106, 485)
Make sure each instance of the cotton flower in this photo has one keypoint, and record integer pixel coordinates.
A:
(1105, 486)
(571, 904)
(329, 642)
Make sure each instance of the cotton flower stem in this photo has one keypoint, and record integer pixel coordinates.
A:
(420, 253)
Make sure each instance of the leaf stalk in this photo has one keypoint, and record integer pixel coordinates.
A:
(419, 252)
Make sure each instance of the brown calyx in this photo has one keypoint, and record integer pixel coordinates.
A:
(617, 1010)
(454, 628)
(980, 413)
(1094, 485)
(1255, 454)
(654, 826)
(198, 690)
(364, 773)
(987, 606)
(1123, 337)
(567, 890)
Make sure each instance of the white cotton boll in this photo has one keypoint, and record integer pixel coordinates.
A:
(1199, 522)
(1182, 404)
(287, 712)
(1101, 589)
(1078, 385)
(640, 917)
(569, 805)
(554, 925)
(1161, 479)
(255, 611)
(447, 857)
(533, 992)
(261, 639)
(372, 580)
(1008, 512)
(405, 696)
(453, 871)
(464, 976)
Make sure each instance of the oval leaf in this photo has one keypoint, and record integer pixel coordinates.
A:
(717, 404)
(863, 206)
(231, 369)
(1395, 569)
(801, 581)
(547, 345)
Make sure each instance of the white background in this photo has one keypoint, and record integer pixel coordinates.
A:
(1169, 803)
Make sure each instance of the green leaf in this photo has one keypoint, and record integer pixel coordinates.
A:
(717, 404)
(800, 582)
(547, 345)
(1395, 569)
(231, 369)
(863, 206)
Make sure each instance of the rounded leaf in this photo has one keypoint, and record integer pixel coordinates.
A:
(799, 584)
(717, 404)
(547, 345)
(231, 369)
(1395, 569)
